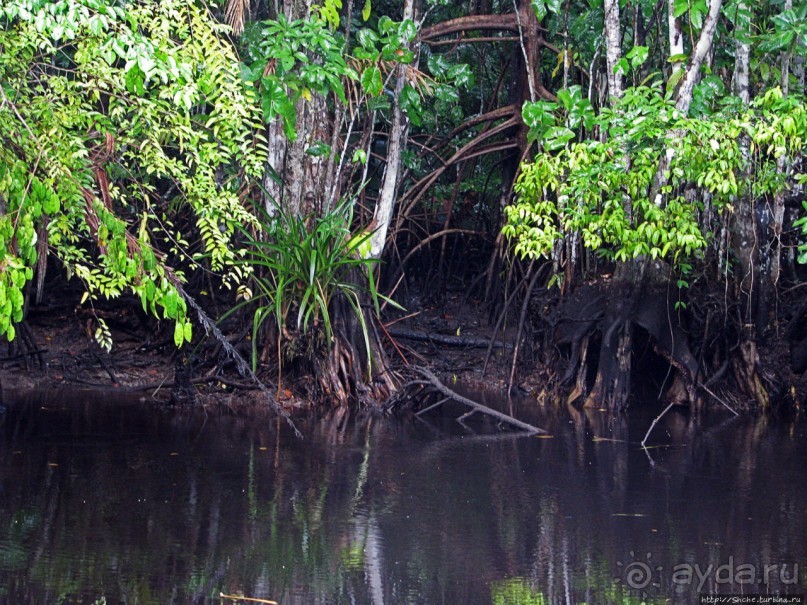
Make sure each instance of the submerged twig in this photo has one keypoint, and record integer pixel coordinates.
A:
(655, 422)
(725, 405)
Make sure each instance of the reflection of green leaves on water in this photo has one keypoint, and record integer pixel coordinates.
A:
(352, 557)
(515, 591)
(13, 552)
(520, 591)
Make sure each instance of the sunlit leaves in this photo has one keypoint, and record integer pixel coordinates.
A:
(371, 81)
(153, 96)
(605, 190)
(328, 12)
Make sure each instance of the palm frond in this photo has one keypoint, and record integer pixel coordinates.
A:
(236, 13)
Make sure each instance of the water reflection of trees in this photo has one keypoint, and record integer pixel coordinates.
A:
(172, 508)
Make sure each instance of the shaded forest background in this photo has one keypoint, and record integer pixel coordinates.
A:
(620, 183)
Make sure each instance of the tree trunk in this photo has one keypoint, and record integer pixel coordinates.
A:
(612, 385)
(613, 382)
(613, 48)
(676, 37)
(353, 366)
(382, 216)
(786, 56)
(684, 97)
(778, 212)
(748, 228)
(742, 62)
(296, 181)
(798, 71)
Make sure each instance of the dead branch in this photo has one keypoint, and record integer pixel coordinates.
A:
(445, 339)
(441, 388)
(250, 599)
(506, 22)
(240, 363)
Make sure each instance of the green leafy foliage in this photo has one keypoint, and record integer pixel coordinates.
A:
(553, 123)
(289, 60)
(789, 33)
(696, 9)
(328, 12)
(542, 7)
(103, 105)
(605, 191)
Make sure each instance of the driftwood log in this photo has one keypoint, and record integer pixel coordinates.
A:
(445, 339)
(432, 383)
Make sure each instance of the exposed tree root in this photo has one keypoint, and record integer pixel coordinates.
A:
(355, 369)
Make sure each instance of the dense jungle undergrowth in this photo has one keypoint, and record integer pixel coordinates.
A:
(598, 202)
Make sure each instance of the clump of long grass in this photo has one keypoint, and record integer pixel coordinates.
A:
(300, 265)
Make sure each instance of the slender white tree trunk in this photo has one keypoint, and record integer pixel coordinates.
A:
(742, 62)
(613, 48)
(382, 216)
(676, 37)
(684, 98)
(786, 57)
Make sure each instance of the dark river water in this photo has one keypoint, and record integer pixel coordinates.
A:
(110, 500)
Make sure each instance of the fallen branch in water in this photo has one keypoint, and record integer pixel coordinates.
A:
(240, 363)
(431, 381)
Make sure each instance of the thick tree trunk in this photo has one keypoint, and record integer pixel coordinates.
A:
(612, 385)
(296, 181)
(753, 284)
(353, 366)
